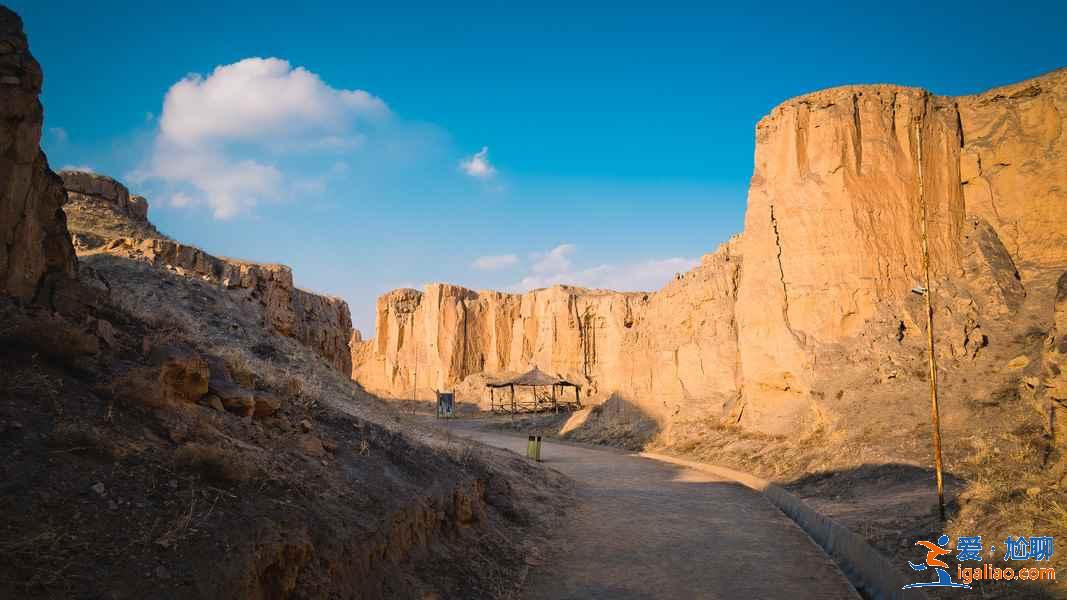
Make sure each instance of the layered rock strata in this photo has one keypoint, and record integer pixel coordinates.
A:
(92, 187)
(322, 323)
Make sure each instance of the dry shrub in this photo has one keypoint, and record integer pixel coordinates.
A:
(215, 463)
(462, 452)
(241, 371)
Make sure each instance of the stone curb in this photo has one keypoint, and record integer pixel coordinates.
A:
(866, 568)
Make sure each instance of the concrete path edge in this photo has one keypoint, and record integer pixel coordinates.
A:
(866, 568)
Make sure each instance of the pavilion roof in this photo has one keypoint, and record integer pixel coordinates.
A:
(533, 377)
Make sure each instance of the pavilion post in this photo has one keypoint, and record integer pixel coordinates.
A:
(577, 400)
(555, 406)
(513, 399)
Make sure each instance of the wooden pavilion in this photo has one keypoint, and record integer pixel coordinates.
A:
(547, 393)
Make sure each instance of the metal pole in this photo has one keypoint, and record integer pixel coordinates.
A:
(935, 416)
(415, 377)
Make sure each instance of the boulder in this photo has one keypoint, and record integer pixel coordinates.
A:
(235, 398)
(266, 404)
(310, 445)
(183, 374)
(139, 208)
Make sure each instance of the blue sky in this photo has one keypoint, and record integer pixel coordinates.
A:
(618, 136)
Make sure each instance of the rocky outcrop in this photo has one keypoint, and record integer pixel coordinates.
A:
(101, 189)
(638, 346)
(831, 253)
(1012, 167)
(106, 218)
(323, 323)
(1047, 388)
(35, 248)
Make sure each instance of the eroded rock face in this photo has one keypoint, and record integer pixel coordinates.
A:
(831, 253)
(832, 230)
(35, 247)
(320, 322)
(101, 189)
(613, 343)
(1012, 167)
(183, 374)
(1051, 383)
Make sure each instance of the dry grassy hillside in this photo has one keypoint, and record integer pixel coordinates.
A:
(204, 455)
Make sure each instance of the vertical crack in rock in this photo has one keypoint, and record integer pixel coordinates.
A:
(736, 285)
(893, 116)
(857, 133)
(801, 124)
(959, 124)
(781, 278)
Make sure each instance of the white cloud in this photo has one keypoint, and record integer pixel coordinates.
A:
(236, 137)
(556, 260)
(478, 165)
(230, 186)
(181, 200)
(258, 97)
(85, 168)
(493, 263)
(555, 267)
(59, 135)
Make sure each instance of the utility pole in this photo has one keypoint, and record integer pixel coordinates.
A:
(935, 416)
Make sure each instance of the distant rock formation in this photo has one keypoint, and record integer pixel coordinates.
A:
(637, 344)
(824, 269)
(86, 186)
(35, 248)
(323, 323)
(104, 217)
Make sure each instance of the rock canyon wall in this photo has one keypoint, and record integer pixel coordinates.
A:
(35, 249)
(106, 218)
(830, 252)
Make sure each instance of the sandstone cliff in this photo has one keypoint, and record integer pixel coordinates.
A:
(35, 249)
(92, 187)
(635, 345)
(824, 268)
(106, 218)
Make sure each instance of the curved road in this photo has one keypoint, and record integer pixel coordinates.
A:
(647, 529)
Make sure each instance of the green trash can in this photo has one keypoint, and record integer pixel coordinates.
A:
(533, 447)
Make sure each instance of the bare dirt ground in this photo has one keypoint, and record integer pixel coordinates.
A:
(645, 529)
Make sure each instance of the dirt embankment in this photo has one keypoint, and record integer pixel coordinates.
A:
(202, 455)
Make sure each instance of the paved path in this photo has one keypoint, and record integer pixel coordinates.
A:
(646, 529)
